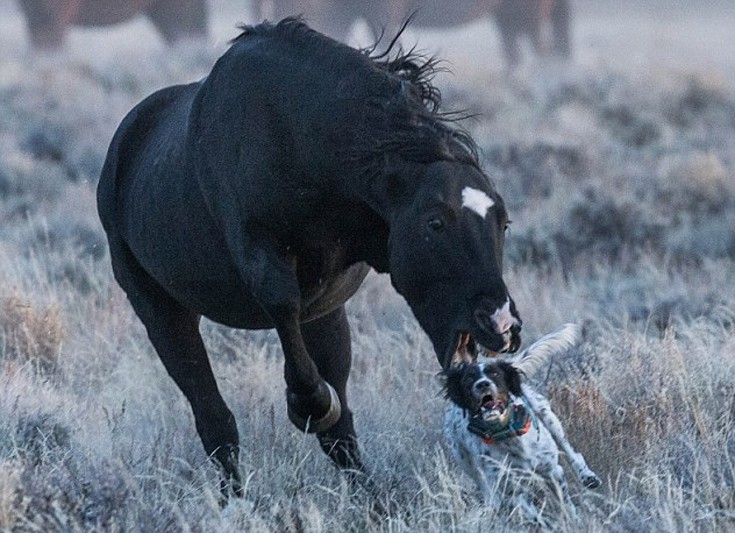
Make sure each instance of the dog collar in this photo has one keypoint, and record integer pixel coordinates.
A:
(521, 418)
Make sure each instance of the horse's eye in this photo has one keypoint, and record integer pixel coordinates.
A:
(436, 223)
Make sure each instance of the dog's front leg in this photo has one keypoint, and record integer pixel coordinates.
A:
(542, 408)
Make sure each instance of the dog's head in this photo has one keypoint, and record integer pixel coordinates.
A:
(483, 388)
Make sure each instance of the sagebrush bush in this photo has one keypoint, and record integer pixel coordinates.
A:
(30, 333)
(697, 186)
(704, 99)
(12, 505)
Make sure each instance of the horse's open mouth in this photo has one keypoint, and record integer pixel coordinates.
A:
(466, 349)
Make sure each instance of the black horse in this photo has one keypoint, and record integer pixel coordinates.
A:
(260, 196)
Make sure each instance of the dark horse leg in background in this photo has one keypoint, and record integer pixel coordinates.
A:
(174, 333)
(514, 20)
(44, 21)
(179, 19)
(561, 16)
(509, 36)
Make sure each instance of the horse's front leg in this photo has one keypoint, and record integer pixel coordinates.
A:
(313, 404)
(328, 342)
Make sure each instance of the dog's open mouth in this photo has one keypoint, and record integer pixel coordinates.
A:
(493, 408)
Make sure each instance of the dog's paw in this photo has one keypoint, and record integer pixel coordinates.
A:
(591, 481)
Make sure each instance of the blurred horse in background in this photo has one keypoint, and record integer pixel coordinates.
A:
(544, 23)
(48, 20)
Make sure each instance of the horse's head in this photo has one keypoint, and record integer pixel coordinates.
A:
(446, 257)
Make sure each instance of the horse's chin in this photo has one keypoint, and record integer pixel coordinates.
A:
(466, 348)
(507, 342)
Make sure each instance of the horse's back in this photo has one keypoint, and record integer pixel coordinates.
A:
(199, 176)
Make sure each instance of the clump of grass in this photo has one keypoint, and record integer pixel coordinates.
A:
(630, 126)
(12, 504)
(531, 173)
(40, 437)
(695, 185)
(702, 99)
(30, 333)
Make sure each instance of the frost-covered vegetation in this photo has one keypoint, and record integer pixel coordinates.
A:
(619, 174)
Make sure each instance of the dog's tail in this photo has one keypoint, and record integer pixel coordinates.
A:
(534, 357)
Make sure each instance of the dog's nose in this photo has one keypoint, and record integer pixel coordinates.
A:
(483, 386)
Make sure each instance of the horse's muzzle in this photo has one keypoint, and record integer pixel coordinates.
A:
(498, 330)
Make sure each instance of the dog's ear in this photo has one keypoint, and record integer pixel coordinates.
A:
(512, 377)
(453, 389)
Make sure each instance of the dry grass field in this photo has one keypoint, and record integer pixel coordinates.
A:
(619, 173)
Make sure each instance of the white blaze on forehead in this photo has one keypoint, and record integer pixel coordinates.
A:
(476, 200)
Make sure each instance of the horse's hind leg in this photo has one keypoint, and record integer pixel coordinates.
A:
(327, 340)
(174, 333)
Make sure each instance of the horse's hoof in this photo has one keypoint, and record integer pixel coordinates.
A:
(309, 424)
(228, 489)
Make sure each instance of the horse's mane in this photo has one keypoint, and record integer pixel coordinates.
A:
(407, 120)
(417, 128)
(289, 28)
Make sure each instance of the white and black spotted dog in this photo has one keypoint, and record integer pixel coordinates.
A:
(497, 423)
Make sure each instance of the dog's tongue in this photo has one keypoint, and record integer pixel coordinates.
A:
(493, 405)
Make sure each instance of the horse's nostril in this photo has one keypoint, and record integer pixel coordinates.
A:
(485, 320)
(499, 322)
(495, 323)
